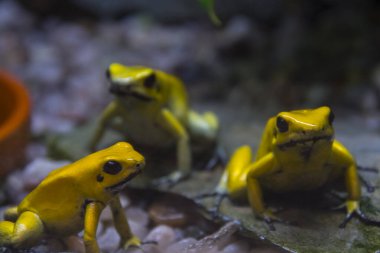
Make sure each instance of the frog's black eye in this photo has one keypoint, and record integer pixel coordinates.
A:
(150, 81)
(112, 167)
(331, 117)
(282, 124)
(108, 74)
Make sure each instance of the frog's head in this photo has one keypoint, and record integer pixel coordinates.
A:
(304, 128)
(115, 167)
(137, 81)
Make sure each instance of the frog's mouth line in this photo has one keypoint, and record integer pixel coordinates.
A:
(114, 89)
(313, 140)
(119, 186)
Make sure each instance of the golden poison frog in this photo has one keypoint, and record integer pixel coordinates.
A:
(71, 199)
(151, 110)
(297, 152)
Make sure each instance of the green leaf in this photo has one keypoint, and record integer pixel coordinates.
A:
(209, 6)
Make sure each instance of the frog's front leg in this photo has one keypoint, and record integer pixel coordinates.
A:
(24, 233)
(127, 238)
(108, 113)
(91, 220)
(259, 168)
(341, 157)
(233, 182)
(174, 126)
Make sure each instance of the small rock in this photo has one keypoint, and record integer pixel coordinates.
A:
(109, 241)
(163, 235)
(138, 229)
(237, 246)
(183, 245)
(50, 245)
(161, 213)
(137, 215)
(14, 187)
(42, 123)
(106, 215)
(75, 244)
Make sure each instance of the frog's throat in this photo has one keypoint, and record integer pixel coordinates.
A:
(293, 143)
(120, 186)
(117, 91)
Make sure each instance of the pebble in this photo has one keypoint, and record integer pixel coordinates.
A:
(161, 213)
(109, 241)
(14, 187)
(181, 246)
(237, 246)
(138, 229)
(137, 215)
(75, 244)
(163, 235)
(50, 245)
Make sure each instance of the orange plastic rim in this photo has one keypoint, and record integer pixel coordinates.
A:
(15, 99)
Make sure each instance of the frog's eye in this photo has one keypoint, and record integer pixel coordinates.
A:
(112, 167)
(282, 124)
(150, 81)
(331, 117)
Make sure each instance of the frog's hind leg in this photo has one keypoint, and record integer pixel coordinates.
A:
(237, 171)
(203, 126)
(23, 233)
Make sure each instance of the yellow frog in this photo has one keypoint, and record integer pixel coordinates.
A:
(297, 153)
(72, 198)
(151, 110)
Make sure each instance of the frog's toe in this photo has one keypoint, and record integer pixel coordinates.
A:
(134, 241)
(149, 242)
(352, 207)
(270, 218)
(346, 220)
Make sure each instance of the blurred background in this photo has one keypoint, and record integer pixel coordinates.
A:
(265, 57)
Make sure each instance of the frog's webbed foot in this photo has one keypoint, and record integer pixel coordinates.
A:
(269, 218)
(170, 180)
(141, 244)
(367, 185)
(134, 241)
(352, 207)
(218, 199)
